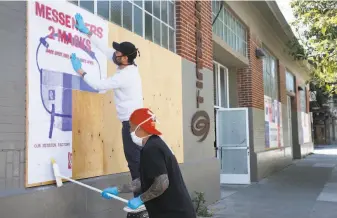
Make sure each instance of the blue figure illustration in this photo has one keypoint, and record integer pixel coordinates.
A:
(51, 95)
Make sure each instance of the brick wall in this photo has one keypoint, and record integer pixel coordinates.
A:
(186, 38)
(282, 82)
(250, 79)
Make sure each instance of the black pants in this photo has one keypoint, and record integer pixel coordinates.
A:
(132, 153)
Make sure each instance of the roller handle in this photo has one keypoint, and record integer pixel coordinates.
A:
(93, 188)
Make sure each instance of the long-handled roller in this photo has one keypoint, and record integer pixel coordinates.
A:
(59, 183)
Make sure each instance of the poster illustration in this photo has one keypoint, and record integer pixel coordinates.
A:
(52, 38)
(280, 141)
(273, 123)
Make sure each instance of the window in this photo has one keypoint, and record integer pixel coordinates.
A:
(153, 20)
(220, 85)
(270, 76)
(116, 12)
(229, 29)
(303, 99)
(290, 82)
(103, 9)
(89, 5)
(127, 15)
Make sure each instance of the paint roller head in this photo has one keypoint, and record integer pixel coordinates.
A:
(57, 174)
(135, 211)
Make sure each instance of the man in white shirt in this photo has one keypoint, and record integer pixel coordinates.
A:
(126, 84)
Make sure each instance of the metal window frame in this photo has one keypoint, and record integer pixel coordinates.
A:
(218, 86)
(144, 12)
(267, 72)
(233, 34)
(96, 7)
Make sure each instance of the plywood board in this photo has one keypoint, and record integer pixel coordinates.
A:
(161, 74)
(97, 133)
(163, 94)
(87, 134)
(97, 142)
(113, 157)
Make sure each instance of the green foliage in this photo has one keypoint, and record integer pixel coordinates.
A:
(199, 205)
(316, 21)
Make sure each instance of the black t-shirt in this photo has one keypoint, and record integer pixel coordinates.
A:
(156, 159)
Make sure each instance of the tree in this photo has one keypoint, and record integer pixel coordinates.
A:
(316, 28)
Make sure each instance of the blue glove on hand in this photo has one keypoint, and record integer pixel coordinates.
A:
(80, 25)
(134, 203)
(110, 190)
(75, 62)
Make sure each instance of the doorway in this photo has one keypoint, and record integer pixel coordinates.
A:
(220, 91)
(233, 145)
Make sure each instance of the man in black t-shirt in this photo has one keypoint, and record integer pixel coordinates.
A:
(163, 189)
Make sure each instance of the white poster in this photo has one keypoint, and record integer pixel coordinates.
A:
(273, 123)
(267, 118)
(280, 126)
(52, 38)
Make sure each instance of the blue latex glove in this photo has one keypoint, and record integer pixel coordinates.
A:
(134, 203)
(80, 25)
(75, 62)
(110, 190)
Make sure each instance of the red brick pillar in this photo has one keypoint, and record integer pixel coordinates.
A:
(195, 44)
(250, 79)
(186, 31)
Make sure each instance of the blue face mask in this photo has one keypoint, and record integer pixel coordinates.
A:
(115, 60)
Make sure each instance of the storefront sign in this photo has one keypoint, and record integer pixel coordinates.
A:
(52, 38)
(200, 121)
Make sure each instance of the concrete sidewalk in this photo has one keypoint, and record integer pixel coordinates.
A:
(306, 189)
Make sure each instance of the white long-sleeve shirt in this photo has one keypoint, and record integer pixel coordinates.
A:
(126, 84)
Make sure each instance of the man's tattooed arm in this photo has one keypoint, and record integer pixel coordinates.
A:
(134, 186)
(160, 184)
